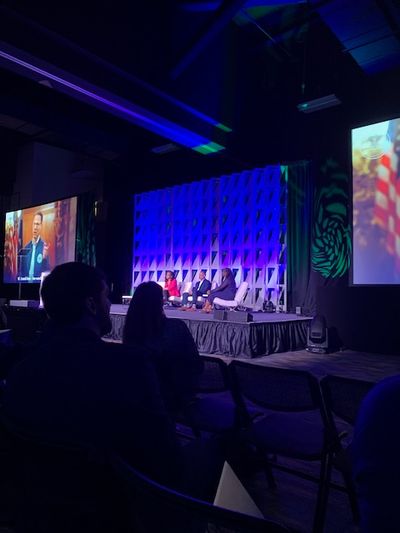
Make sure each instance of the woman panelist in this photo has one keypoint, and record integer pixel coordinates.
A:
(225, 291)
(170, 285)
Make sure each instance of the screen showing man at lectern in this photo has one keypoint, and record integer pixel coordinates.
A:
(37, 239)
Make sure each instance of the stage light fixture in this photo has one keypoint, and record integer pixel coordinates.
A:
(317, 335)
(165, 149)
(319, 103)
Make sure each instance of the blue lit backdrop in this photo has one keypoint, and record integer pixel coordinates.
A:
(237, 221)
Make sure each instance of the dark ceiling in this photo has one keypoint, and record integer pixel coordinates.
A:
(243, 64)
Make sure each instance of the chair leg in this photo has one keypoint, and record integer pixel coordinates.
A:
(188, 421)
(267, 469)
(269, 475)
(351, 491)
(323, 492)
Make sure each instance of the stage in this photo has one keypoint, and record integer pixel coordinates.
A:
(268, 333)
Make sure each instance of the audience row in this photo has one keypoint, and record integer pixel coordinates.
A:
(72, 387)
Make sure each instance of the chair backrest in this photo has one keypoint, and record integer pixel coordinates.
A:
(343, 396)
(185, 286)
(164, 509)
(279, 389)
(215, 376)
(59, 483)
(241, 292)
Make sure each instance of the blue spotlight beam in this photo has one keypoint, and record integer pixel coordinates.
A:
(222, 17)
(67, 43)
(26, 65)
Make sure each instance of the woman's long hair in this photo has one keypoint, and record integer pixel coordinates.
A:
(172, 273)
(145, 317)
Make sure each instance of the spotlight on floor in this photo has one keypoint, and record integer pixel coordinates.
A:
(317, 335)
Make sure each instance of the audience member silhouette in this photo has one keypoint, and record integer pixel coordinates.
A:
(77, 389)
(225, 291)
(178, 364)
(375, 458)
(3, 319)
(169, 342)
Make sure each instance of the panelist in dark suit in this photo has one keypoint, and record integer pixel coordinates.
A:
(202, 287)
(34, 256)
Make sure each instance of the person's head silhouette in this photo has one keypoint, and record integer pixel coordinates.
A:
(145, 314)
(77, 294)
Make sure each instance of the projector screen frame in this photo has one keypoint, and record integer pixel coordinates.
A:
(361, 124)
(29, 207)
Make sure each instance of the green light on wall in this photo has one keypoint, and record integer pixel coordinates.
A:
(245, 16)
(331, 245)
(222, 127)
(209, 148)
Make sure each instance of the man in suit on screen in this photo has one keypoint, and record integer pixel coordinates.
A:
(34, 258)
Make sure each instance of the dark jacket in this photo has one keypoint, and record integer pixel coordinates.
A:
(41, 264)
(205, 286)
(375, 458)
(77, 388)
(177, 362)
(226, 290)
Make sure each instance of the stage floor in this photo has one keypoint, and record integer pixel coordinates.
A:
(176, 312)
(268, 333)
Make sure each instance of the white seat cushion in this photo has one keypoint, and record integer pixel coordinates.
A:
(183, 287)
(239, 297)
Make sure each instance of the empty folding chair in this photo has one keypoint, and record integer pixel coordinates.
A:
(214, 409)
(294, 426)
(342, 399)
(158, 508)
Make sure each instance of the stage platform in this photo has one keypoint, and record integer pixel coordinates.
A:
(268, 333)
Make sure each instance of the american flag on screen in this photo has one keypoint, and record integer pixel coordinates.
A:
(387, 198)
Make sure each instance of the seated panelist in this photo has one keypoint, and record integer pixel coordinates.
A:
(170, 285)
(225, 291)
(202, 287)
